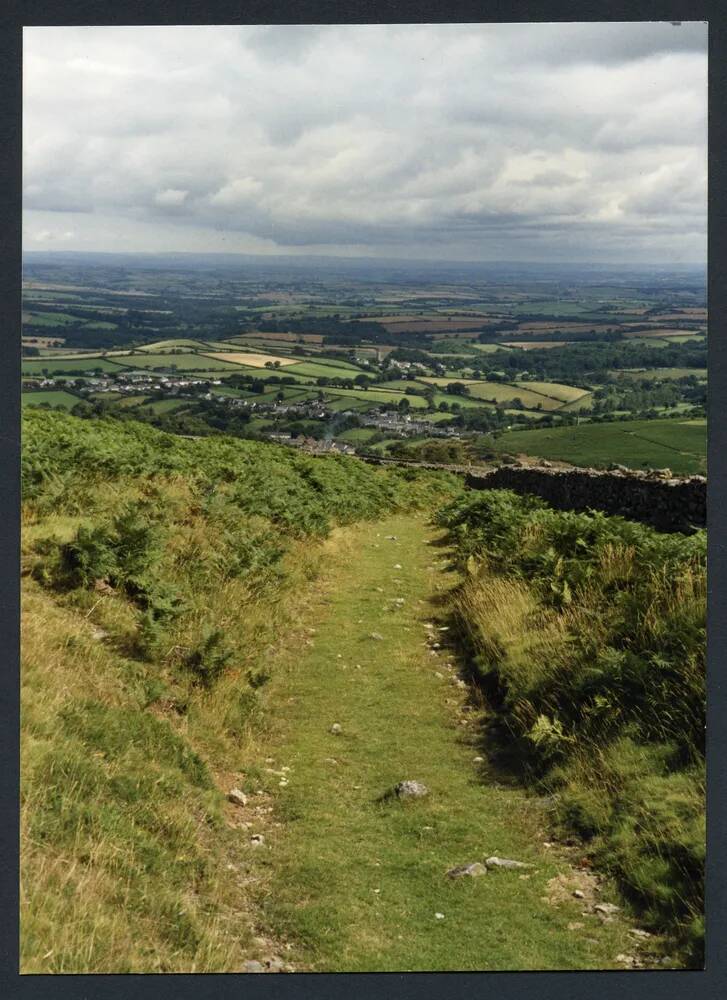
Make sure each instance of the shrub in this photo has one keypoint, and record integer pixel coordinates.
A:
(209, 659)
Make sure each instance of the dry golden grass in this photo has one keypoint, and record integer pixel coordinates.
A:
(254, 360)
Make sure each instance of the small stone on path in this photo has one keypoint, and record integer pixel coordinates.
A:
(252, 966)
(495, 862)
(336, 728)
(472, 870)
(410, 790)
(237, 797)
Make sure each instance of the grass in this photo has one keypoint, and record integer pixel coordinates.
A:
(182, 362)
(318, 369)
(377, 396)
(678, 445)
(140, 705)
(58, 366)
(588, 635)
(356, 883)
(564, 393)
(52, 397)
(48, 319)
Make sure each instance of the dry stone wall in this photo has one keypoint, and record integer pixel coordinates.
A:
(668, 504)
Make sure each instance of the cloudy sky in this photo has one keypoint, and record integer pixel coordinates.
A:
(571, 142)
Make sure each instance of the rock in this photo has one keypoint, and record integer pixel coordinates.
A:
(607, 909)
(335, 728)
(578, 894)
(257, 840)
(103, 587)
(478, 760)
(439, 916)
(575, 926)
(237, 797)
(472, 870)
(615, 467)
(391, 538)
(398, 566)
(505, 863)
(98, 634)
(376, 635)
(399, 601)
(275, 964)
(410, 790)
(252, 966)
(637, 932)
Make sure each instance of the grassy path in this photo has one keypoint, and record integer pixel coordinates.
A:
(355, 884)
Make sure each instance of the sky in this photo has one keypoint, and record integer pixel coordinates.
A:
(508, 142)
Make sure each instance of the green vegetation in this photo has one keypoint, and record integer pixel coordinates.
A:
(199, 609)
(68, 366)
(52, 397)
(159, 571)
(587, 634)
(675, 444)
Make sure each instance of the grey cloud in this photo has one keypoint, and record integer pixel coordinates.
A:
(469, 139)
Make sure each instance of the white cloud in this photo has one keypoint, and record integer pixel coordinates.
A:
(480, 140)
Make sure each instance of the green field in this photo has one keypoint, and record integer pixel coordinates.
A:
(166, 345)
(53, 397)
(378, 396)
(166, 405)
(678, 445)
(59, 366)
(357, 435)
(49, 319)
(183, 362)
(320, 369)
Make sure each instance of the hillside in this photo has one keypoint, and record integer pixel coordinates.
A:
(205, 615)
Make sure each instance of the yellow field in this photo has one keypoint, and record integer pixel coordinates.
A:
(565, 393)
(254, 360)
